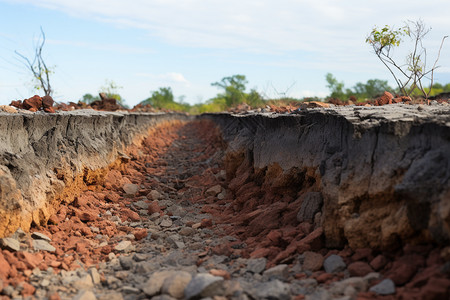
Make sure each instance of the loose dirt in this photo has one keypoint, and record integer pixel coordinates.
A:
(179, 218)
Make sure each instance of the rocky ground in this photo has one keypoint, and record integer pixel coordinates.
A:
(165, 224)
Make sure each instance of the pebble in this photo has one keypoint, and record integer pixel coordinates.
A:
(334, 264)
(385, 287)
(10, 244)
(85, 295)
(42, 245)
(280, 272)
(130, 189)
(274, 289)
(155, 282)
(203, 285)
(175, 284)
(40, 236)
(123, 246)
(256, 265)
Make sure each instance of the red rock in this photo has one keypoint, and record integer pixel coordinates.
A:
(153, 207)
(112, 197)
(220, 273)
(112, 180)
(314, 239)
(306, 227)
(324, 277)
(139, 234)
(206, 223)
(81, 249)
(423, 276)
(128, 214)
(386, 98)
(312, 261)
(31, 260)
(378, 262)
(47, 101)
(87, 217)
(362, 253)
(401, 272)
(5, 268)
(106, 249)
(28, 289)
(435, 289)
(275, 237)
(54, 296)
(222, 249)
(34, 103)
(49, 110)
(260, 252)
(359, 269)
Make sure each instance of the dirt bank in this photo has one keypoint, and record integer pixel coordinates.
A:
(46, 159)
(375, 177)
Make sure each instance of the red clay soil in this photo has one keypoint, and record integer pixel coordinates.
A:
(261, 213)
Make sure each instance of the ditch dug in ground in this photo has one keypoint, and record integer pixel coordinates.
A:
(254, 207)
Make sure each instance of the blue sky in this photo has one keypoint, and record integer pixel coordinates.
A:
(282, 46)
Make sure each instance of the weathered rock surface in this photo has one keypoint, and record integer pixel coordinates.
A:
(383, 172)
(47, 158)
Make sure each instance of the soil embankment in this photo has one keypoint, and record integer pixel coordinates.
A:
(342, 203)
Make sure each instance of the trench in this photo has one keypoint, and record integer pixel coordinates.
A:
(259, 203)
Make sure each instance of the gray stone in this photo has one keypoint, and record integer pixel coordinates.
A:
(10, 244)
(280, 272)
(130, 290)
(41, 245)
(166, 222)
(256, 265)
(273, 289)
(85, 295)
(155, 282)
(122, 246)
(334, 264)
(111, 296)
(311, 204)
(163, 297)
(130, 189)
(126, 262)
(141, 204)
(40, 236)
(385, 287)
(204, 285)
(175, 284)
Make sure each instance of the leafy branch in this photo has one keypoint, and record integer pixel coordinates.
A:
(384, 40)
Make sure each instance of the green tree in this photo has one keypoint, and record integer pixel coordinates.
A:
(371, 89)
(234, 89)
(88, 98)
(336, 87)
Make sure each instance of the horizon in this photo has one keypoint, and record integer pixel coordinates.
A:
(282, 47)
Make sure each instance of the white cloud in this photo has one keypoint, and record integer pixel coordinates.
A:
(169, 78)
(124, 49)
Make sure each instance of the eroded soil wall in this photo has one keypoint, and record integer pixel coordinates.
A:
(372, 177)
(46, 159)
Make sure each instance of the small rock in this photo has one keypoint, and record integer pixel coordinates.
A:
(312, 261)
(85, 295)
(273, 289)
(122, 246)
(256, 265)
(378, 262)
(175, 284)
(187, 231)
(359, 269)
(130, 189)
(155, 282)
(204, 285)
(95, 276)
(40, 236)
(213, 191)
(280, 272)
(130, 290)
(166, 223)
(154, 195)
(10, 244)
(83, 283)
(41, 245)
(126, 262)
(385, 287)
(334, 264)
